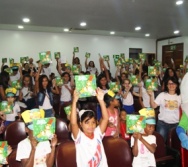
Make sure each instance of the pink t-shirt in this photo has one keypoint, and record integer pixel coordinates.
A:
(113, 118)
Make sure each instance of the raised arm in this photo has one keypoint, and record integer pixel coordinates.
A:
(73, 115)
(37, 78)
(73, 57)
(152, 102)
(86, 64)
(104, 120)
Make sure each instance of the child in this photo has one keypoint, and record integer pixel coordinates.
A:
(34, 154)
(113, 120)
(11, 97)
(88, 138)
(144, 145)
(123, 130)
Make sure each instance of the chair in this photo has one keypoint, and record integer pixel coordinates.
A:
(118, 152)
(62, 131)
(165, 155)
(12, 159)
(14, 133)
(66, 155)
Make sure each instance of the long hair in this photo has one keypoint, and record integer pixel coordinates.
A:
(4, 79)
(98, 81)
(41, 89)
(93, 64)
(166, 74)
(66, 73)
(108, 99)
(30, 81)
(174, 80)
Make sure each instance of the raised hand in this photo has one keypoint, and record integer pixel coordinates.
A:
(99, 94)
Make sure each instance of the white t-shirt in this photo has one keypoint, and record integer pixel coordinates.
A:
(46, 104)
(47, 71)
(65, 94)
(42, 149)
(145, 97)
(90, 152)
(169, 107)
(128, 101)
(16, 109)
(15, 77)
(144, 158)
(92, 70)
(26, 93)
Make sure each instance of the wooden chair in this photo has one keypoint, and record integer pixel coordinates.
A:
(62, 132)
(14, 133)
(66, 155)
(165, 155)
(118, 152)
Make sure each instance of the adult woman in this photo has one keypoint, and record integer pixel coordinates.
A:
(169, 102)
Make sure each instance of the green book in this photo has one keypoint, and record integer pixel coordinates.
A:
(86, 85)
(106, 57)
(134, 80)
(153, 71)
(142, 56)
(186, 59)
(22, 60)
(76, 49)
(135, 123)
(116, 56)
(164, 70)
(155, 61)
(16, 84)
(75, 69)
(6, 108)
(45, 57)
(130, 61)
(4, 60)
(87, 55)
(11, 61)
(151, 84)
(157, 64)
(57, 55)
(26, 58)
(68, 109)
(117, 62)
(122, 55)
(44, 128)
(4, 152)
(114, 86)
(9, 70)
(59, 81)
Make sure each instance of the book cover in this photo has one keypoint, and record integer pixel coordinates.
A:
(9, 70)
(11, 61)
(122, 55)
(27, 59)
(75, 69)
(68, 109)
(16, 84)
(135, 123)
(59, 81)
(44, 128)
(86, 85)
(76, 49)
(142, 56)
(147, 112)
(3, 152)
(6, 108)
(151, 84)
(130, 61)
(186, 59)
(157, 64)
(117, 62)
(45, 57)
(22, 60)
(87, 55)
(4, 60)
(57, 55)
(153, 71)
(116, 56)
(114, 86)
(134, 80)
(106, 57)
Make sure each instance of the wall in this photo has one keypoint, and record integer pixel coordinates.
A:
(16, 44)
(170, 42)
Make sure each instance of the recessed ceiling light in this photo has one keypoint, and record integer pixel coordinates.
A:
(112, 32)
(137, 28)
(83, 24)
(20, 27)
(176, 32)
(147, 35)
(66, 29)
(179, 2)
(26, 20)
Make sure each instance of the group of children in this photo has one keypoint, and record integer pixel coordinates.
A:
(38, 90)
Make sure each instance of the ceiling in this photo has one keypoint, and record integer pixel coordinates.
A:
(159, 18)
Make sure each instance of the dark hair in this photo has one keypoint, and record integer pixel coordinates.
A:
(98, 81)
(166, 74)
(123, 87)
(30, 81)
(76, 58)
(89, 114)
(4, 79)
(66, 73)
(4, 67)
(108, 99)
(93, 63)
(174, 80)
(41, 89)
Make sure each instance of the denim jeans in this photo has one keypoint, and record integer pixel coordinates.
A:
(49, 113)
(163, 128)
